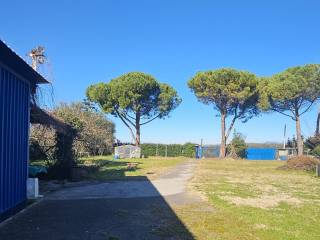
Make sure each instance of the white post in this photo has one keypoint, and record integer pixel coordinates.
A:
(32, 188)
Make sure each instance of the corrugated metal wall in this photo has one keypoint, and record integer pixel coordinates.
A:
(14, 130)
(210, 151)
(261, 153)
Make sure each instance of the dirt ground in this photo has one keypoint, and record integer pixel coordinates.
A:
(110, 210)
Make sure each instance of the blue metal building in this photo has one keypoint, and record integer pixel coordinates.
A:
(261, 153)
(17, 79)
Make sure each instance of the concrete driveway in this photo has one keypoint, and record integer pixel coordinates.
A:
(109, 210)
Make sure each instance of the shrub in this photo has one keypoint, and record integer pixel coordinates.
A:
(173, 150)
(95, 133)
(316, 151)
(43, 143)
(312, 142)
(90, 132)
(237, 147)
(307, 163)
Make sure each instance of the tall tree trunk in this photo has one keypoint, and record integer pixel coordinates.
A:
(223, 135)
(299, 136)
(128, 126)
(138, 128)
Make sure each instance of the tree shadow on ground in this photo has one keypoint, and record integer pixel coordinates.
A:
(116, 170)
(130, 210)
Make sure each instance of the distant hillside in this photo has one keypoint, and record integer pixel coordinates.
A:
(265, 145)
(255, 145)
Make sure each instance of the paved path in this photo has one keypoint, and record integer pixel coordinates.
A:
(171, 186)
(112, 210)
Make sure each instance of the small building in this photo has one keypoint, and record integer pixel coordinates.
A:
(127, 151)
(286, 153)
(17, 81)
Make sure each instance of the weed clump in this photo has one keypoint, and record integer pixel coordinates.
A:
(307, 163)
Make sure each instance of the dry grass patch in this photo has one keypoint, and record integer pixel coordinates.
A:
(264, 201)
(253, 200)
(253, 183)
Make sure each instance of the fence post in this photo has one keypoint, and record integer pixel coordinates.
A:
(166, 150)
(318, 170)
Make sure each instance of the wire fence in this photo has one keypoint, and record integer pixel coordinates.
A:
(168, 150)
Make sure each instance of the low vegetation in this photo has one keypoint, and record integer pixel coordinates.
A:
(307, 163)
(237, 148)
(253, 200)
(316, 151)
(169, 150)
(90, 133)
(94, 133)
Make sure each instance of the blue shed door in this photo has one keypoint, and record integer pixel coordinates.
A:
(14, 130)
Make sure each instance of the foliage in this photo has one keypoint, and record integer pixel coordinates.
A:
(232, 93)
(135, 97)
(95, 133)
(90, 132)
(35, 150)
(173, 150)
(42, 143)
(237, 148)
(64, 155)
(313, 142)
(55, 148)
(291, 143)
(316, 151)
(296, 88)
(303, 163)
(291, 93)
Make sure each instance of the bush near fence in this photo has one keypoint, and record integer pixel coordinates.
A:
(168, 150)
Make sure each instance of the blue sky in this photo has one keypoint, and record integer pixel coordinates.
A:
(93, 41)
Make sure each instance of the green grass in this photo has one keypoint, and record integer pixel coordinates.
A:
(40, 162)
(253, 200)
(117, 169)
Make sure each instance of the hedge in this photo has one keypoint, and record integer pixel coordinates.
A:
(173, 150)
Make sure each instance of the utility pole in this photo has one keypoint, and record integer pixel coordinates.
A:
(284, 136)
